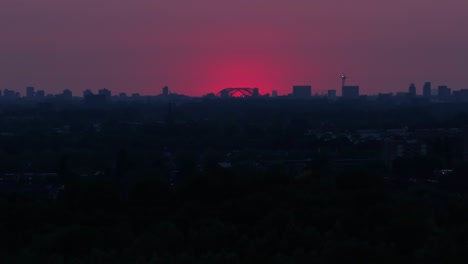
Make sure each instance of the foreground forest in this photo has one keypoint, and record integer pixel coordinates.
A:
(221, 216)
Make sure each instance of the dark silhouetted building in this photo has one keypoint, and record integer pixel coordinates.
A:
(87, 92)
(40, 93)
(255, 92)
(274, 93)
(91, 98)
(123, 95)
(350, 92)
(427, 89)
(385, 97)
(67, 94)
(461, 95)
(106, 93)
(302, 91)
(8, 93)
(412, 90)
(30, 92)
(165, 91)
(444, 93)
(331, 93)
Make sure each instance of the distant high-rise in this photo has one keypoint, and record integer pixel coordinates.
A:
(165, 91)
(302, 91)
(87, 92)
(67, 94)
(255, 92)
(350, 92)
(331, 93)
(274, 93)
(444, 93)
(106, 93)
(412, 90)
(427, 89)
(30, 91)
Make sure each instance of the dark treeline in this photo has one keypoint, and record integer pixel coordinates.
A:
(221, 216)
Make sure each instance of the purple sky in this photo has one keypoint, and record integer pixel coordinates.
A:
(196, 47)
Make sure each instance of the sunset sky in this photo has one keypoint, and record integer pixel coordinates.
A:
(197, 47)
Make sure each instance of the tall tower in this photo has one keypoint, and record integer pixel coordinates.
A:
(412, 90)
(30, 91)
(343, 79)
(165, 91)
(427, 89)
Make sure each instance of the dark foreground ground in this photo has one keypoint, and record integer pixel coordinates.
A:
(225, 218)
(232, 182)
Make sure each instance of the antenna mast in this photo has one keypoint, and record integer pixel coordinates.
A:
(343, 79)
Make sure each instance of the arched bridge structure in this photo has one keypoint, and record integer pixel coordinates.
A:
(238, 92)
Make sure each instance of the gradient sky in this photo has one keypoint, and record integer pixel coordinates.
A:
(202, 46)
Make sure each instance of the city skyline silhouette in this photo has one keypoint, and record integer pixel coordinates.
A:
(203, 47)
(240, 91)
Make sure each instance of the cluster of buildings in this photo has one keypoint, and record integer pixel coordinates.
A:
(102, 95)
(440, 94)
(305, 91)
(33, 94)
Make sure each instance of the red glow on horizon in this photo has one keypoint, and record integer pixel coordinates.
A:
(140, 46)
(234, 71)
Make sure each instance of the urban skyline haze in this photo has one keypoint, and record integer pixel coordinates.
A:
(204, 46)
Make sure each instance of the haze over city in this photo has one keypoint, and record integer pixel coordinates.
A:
(204, 46)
